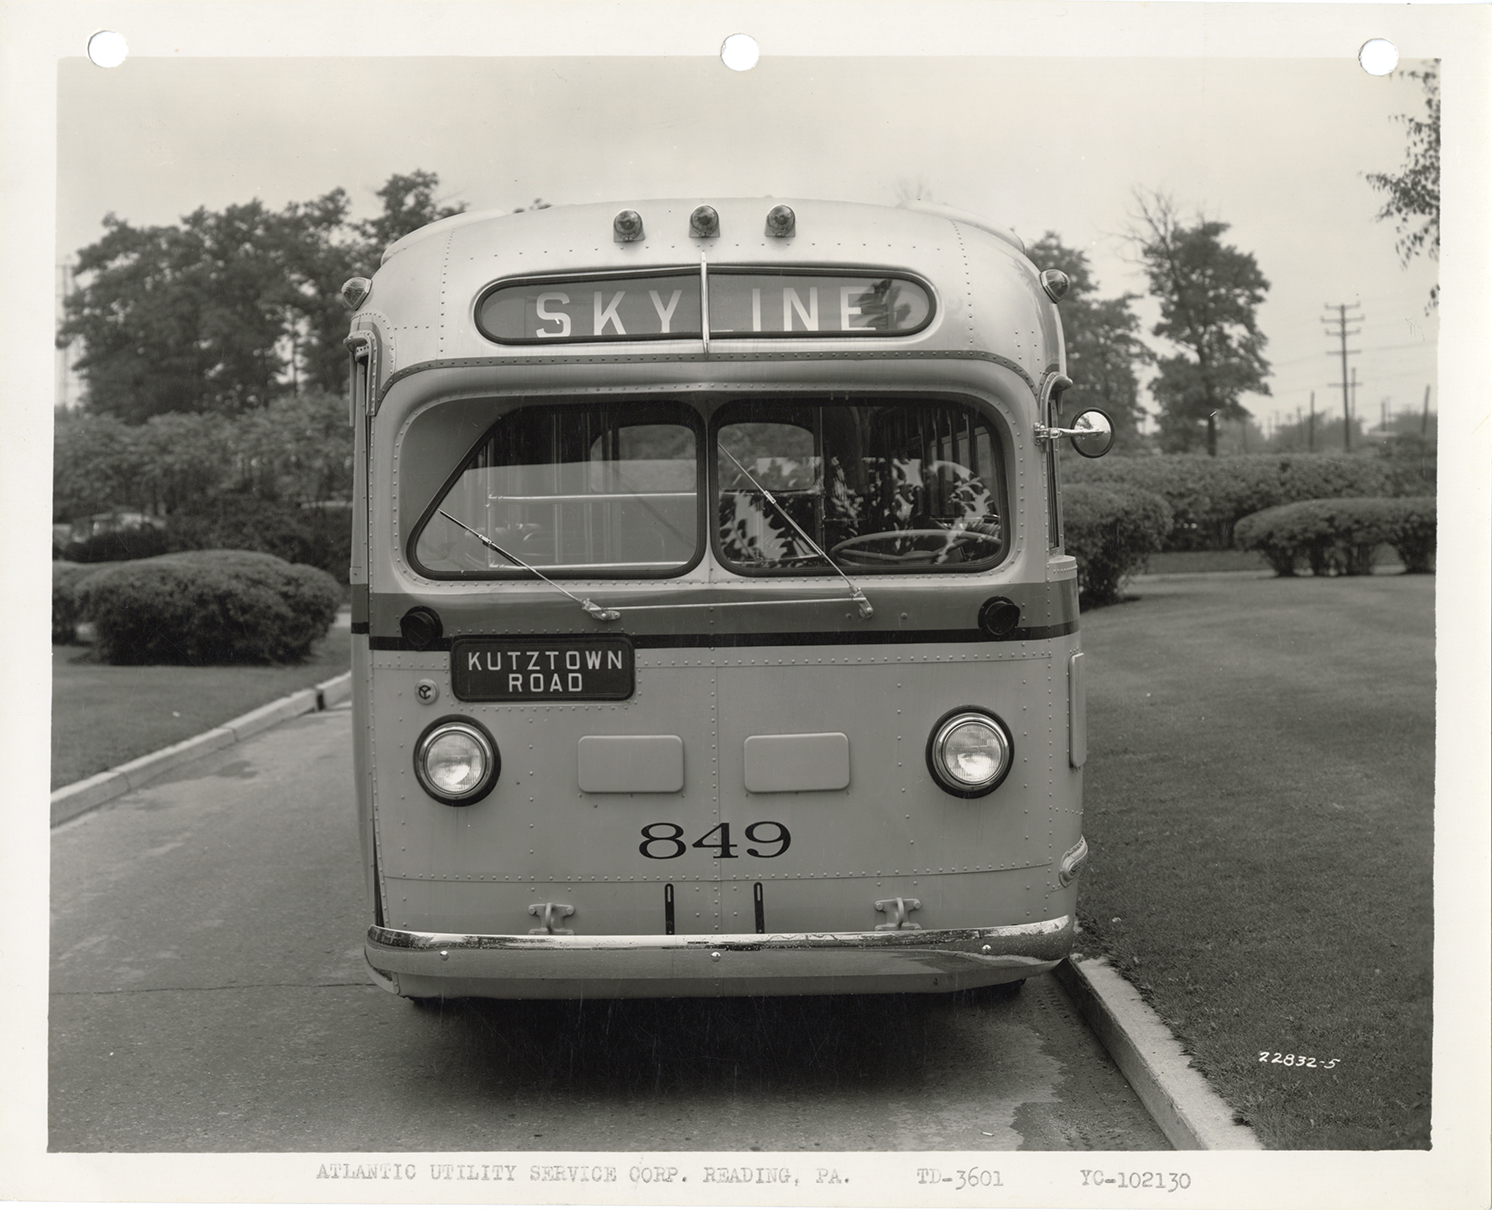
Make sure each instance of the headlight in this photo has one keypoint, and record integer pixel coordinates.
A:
(969, 752)
(456, 761)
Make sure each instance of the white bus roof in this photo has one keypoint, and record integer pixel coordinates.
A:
(595, 219)
(987, 295)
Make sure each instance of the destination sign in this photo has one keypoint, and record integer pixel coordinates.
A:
(773, 304)
(599, 669)
(667, 307)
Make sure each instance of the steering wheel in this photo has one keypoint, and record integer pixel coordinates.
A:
(861, 548)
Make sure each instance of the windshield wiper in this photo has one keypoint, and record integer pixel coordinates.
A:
(856, 593)
(596, 611)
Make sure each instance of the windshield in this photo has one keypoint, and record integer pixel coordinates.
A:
(584, 489)
(878, 485)
(891, 484)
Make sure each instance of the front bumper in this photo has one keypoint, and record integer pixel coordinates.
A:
(548, 967)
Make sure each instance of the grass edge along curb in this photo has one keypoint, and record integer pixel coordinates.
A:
(68, 802)
(1185, 1107)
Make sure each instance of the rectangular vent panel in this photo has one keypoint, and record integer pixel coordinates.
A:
(779, 763)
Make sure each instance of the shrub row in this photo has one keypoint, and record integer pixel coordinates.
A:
(1111, 529)
(66, 615)
(1342, 536)
(1208, 496)
(318, 537)
(203, 607)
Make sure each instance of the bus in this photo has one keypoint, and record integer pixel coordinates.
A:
(712, 629)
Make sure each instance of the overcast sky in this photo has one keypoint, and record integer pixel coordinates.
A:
(1275, 147)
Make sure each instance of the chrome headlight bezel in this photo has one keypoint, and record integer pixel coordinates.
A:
(482, 741)
(941, 766)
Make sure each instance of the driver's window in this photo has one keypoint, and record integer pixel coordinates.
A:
(884, 485)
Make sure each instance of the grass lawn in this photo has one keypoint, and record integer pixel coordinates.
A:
(1259, 794)
(103, 716)
(1186, 562)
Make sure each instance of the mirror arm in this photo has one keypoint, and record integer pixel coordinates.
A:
(1042, 433)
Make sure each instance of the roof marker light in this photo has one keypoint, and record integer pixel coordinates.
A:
(704, 223)
(627, 226)
(1055, 283)
(355, 290)
(781, 222)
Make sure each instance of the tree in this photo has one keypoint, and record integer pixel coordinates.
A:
(179, 319)
(1102, 341)
(96, 466)
(325, 250)
(297, 450)
(185, 461)
(319, 252)
(223, 312)
(1208, 293)
(1414, 193)
(408, 204)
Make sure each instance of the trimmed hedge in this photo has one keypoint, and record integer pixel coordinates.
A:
(1342, 536)
(1111, 530)
(208, 607)
(1414, 533)
(318, 537)
(116, 545)
(1209, 496)
(66, 611)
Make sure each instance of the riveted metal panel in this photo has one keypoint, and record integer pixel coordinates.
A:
(541, 827)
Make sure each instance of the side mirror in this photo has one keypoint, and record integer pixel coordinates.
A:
(1092, 433)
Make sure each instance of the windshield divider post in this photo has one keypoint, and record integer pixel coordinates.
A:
(704, 303)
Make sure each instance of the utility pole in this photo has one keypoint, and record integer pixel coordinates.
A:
(1341, 334)
(1424, 415)
(1348, 439)
(1311, 432)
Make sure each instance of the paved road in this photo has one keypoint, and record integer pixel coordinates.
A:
(208, 994)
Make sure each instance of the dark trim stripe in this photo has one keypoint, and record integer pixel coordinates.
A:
(812, 638)
(359, 596)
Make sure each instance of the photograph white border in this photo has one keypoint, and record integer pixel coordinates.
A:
(34, 34)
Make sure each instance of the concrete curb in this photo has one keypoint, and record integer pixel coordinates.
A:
(1190, 1114)
(68, 802)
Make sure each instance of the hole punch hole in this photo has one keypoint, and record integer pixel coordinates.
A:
(740, 52)
(107, 49)
(1378, 56)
